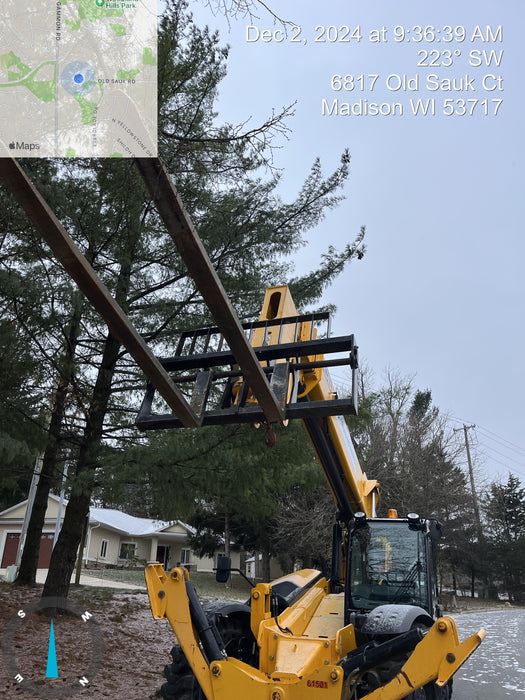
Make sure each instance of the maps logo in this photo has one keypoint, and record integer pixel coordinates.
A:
(22, 146)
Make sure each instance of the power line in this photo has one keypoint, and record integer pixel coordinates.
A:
(503, 464)
(501, 454)
(487, 449)
(505, 443)
(496, 437)
(500, 442)
(514, 469)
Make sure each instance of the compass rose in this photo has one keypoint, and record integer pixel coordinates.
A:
(52, 656)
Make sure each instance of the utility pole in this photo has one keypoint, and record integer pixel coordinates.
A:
(29, 507)
(477, 516)
(60, 506)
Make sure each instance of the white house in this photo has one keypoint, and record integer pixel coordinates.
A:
(113, 539)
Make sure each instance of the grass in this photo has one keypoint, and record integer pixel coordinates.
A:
(133, 576)
(204, 582)
(86, 596)
(206, 585)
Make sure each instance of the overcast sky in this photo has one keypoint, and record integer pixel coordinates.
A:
(440, 292)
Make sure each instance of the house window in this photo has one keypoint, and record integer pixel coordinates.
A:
(127, 550)
(185, 556)
(103, 548)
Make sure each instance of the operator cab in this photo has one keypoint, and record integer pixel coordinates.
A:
(390, 564)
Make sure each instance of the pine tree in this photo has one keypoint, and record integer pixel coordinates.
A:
(505, 515)
(247, 230)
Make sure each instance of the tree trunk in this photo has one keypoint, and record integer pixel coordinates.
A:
(65, 551)
(227, 544)
(266, 566)
(227, 534)
(29, 561)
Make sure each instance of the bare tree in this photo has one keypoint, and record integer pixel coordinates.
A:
(303, 528)
(244, 8)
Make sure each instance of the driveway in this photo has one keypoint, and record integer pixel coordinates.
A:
(87, 580)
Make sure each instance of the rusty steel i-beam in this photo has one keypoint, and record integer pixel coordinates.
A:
(46, 223)
(189, 245)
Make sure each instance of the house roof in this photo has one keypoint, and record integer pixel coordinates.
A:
(252, 559)
(118, 521)
(6, 512)
(129, 524)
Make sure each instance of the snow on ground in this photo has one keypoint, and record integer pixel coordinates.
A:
(496, 671)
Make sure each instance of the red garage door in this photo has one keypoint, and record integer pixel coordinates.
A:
(11, 547)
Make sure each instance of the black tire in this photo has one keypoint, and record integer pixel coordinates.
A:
(239, 642)
(181, 683)
(386, 672)
(382, 674)
(436, 692)
(418, 694)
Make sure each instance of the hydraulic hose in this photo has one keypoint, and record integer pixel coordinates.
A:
(373, 654)
(209, 636)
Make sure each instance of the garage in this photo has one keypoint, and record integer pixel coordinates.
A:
(11, 547)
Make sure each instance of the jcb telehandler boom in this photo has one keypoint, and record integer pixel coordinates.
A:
(372, 629)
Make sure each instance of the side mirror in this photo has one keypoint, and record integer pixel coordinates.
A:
(435, 530)
(223, 570)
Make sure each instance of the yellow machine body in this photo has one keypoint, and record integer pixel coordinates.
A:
(302, 664)
(301, 648)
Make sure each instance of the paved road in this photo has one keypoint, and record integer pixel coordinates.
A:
(496, 671)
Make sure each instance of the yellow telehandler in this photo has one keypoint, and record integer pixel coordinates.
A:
(371, 629)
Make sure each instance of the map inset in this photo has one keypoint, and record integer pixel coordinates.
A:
(78, 78)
